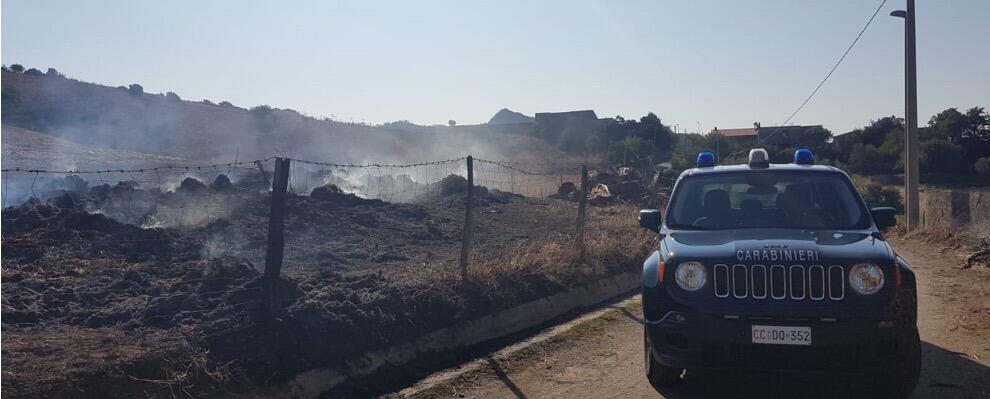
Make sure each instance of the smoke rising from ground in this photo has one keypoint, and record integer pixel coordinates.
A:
(117, 118)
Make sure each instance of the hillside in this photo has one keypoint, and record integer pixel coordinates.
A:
(507, 116)
(118, 118)
(28, 149)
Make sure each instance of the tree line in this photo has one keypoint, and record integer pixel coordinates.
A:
(953, 144)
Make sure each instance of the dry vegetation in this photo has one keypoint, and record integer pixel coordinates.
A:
(614, 243)
(969, 251)
(160, 314)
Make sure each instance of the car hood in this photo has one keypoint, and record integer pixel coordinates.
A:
(767, 246)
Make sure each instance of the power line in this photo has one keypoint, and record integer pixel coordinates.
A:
(834, 67)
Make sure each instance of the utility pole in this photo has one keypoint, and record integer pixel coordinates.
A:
(911, 172)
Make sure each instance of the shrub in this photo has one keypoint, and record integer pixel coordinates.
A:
(261, 110)
(33, 72)
(17, 68)
(982, 166)
(867, 160)
(207, 102)
(940, 156)
(264, 118)
(135, 89)
(629, 150)
(52, 72)
(876, 195)
(171, 96)
(226, 104)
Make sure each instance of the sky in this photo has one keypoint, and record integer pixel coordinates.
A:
(711, 63)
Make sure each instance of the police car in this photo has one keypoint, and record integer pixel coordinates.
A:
(777, 267)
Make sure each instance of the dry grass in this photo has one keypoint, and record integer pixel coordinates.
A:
(614, 243)
(93, 362)
(973, 251)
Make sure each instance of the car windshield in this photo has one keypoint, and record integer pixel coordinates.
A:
(766, 199)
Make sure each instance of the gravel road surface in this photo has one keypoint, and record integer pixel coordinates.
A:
(604, 360)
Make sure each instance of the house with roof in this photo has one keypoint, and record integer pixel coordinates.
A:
(552, 125)
(785, 136)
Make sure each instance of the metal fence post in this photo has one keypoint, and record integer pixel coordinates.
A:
(276, 228)
(582, 204)
(468, 219)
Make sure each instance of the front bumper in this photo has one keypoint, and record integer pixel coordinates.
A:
(713, 341)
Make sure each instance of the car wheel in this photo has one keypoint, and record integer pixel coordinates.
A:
(658, 374)
(900, 382)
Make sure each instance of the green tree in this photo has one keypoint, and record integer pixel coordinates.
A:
(947, 125)
(941, 156)
(977, 124)
(135, 89)
(863, 160)
(18, 68)
(629, 151)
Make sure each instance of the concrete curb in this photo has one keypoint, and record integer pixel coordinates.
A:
(312, 383)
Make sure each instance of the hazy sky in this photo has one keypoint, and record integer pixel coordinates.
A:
(720, 63)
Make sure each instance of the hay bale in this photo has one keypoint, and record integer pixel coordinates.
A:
(192, 185)
(566, 188)
(453, 184)
(221, 183)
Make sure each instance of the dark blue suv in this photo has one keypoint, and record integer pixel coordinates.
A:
(777, 267)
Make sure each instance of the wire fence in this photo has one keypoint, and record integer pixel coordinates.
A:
(224, 208)
(165, 196)
(963, 212)
(386, 182)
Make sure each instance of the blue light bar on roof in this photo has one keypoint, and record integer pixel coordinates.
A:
(804, 156)
(706, 159)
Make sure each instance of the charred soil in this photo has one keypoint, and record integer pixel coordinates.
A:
(95, 307)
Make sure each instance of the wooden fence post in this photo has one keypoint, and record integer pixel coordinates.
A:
(468, 219)
(582, 204)
(276, 228)
(264, 174)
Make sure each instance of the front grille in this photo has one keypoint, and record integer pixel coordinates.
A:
(797, 282)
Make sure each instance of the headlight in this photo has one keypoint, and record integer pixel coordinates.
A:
(866, 278)
(690, 276)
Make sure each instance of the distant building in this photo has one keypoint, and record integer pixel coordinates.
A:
(561, 119)
(744, 136)
(779, 135)
(571, 125)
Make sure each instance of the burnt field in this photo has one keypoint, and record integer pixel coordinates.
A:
(116, 290)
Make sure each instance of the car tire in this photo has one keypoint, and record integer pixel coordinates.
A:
(658, 374)
(900, 382)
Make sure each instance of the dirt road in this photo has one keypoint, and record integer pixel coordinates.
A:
(604, 360)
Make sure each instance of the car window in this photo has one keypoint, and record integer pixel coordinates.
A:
(767, 199)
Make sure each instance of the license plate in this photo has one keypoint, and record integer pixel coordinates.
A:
(782, 335)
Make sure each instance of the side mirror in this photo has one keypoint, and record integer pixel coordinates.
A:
(650, 219)
(884, 217)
